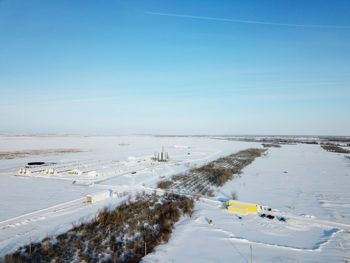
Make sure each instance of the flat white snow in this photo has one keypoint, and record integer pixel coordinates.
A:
(304, 181)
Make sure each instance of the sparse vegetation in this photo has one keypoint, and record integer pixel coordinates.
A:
(220, 171)
(269, 145)
(125, 234)
(310, 142)
(334, 148)
(273, 140)
(21, 154)
(216, 173)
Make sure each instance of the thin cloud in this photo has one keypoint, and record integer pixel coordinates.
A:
(61, 101)
(230, 20)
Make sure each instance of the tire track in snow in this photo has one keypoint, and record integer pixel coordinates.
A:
(242, 240)
(40, 214)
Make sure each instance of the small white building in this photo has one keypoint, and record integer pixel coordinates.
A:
(93, 198)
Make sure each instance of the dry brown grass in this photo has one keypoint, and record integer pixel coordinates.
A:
(164, 184)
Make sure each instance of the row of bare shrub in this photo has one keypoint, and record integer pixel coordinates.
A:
(271, 145)
(223, 169)
(124, 234)
(215, 173)
(334, 148)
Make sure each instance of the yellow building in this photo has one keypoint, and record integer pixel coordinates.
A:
(242, 208)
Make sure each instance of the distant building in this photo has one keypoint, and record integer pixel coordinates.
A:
(75, 172)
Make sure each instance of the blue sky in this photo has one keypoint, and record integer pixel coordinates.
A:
(175, 67)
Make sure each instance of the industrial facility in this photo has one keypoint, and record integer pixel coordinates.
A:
(83, 169)
(161, 156)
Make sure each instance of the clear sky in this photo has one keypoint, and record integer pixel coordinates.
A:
(175, 67)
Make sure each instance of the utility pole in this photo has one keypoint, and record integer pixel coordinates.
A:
(30, 245)
(47, 243)
(251, 254)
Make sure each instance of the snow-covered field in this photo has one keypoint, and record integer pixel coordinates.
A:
(308, 184)
(33, 206)
(305, 183)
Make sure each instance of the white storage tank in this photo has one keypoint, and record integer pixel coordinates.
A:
(75, 172)
(24, 171)
(50, 171)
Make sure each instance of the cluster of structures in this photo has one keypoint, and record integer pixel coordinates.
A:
(72, 169)
(161, 156)
(90, 170)
(243, 209)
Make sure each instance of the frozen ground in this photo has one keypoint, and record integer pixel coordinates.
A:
(21, 195)
(307, 183)
(38, 205)
(303, 182)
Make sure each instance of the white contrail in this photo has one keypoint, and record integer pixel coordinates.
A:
(248, 21)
